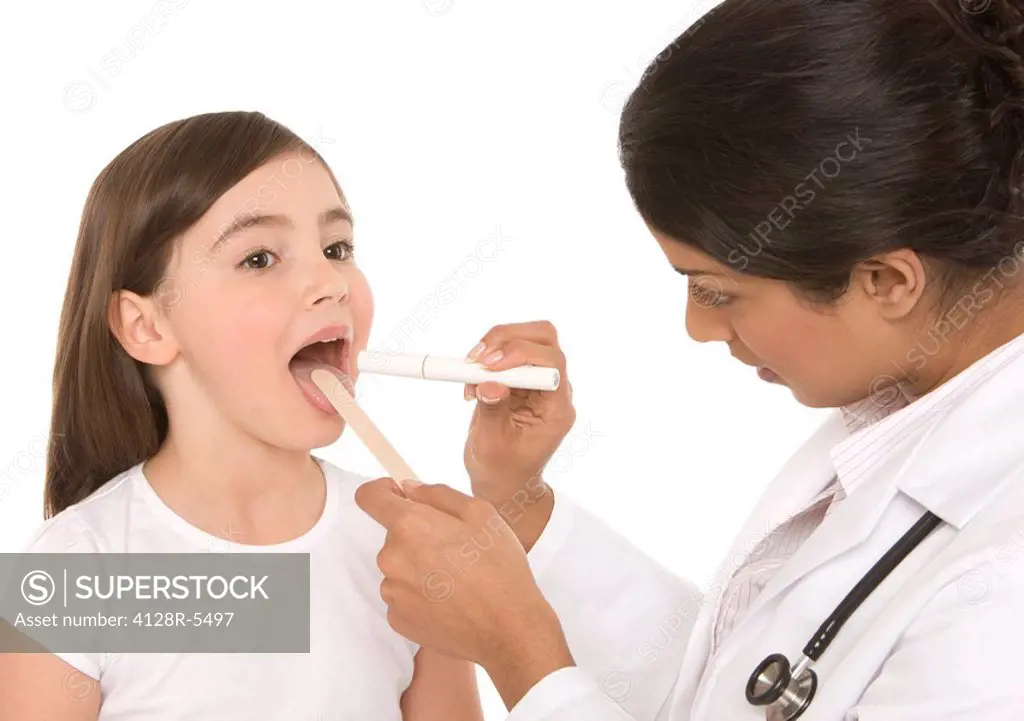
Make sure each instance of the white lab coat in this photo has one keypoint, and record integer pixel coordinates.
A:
(940, 640)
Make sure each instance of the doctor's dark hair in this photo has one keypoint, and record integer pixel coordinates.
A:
(107, 414)
(792, 139)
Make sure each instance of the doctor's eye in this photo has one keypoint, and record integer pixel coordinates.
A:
(708, 297)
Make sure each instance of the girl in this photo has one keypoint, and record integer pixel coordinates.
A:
(214, 264)
(841, 183)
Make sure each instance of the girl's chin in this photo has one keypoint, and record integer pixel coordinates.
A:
(320, 434)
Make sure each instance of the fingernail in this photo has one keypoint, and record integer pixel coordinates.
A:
(477, 350)
(493, 357)
(488, 400)
(467, 394)
(411, 483)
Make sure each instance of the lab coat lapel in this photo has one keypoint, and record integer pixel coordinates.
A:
(854, 519)
(799, 480)
(846, 527)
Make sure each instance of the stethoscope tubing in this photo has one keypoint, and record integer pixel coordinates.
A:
(858, 594)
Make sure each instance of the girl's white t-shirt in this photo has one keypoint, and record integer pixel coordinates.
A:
(357, 666)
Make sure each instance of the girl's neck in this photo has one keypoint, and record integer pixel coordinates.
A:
(245, 475)
(263, 495)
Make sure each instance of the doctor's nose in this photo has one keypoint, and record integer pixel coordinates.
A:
(705, 324)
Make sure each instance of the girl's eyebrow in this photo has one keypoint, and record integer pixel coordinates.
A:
(254, 220)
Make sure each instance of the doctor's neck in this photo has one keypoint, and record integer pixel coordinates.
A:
(958, 339)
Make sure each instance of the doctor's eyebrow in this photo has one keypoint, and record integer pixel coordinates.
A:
(695, 272)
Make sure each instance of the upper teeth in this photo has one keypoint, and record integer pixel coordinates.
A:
(343, 336)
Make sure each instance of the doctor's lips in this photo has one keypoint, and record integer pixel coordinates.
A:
(763, 372)
(330, 349)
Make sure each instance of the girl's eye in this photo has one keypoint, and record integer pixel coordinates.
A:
(257, 260)
(342, 250)
(708, 297)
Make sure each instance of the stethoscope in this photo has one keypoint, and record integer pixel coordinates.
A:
(788, 692)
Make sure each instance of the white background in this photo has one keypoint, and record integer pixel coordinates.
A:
(448, 123)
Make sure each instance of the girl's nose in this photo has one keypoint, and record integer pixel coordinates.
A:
(706, 324)
(329, 284)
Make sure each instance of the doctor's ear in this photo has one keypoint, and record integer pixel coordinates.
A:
(894, 281)
(141, 327)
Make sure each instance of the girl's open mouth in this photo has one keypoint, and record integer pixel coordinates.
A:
(331, 355)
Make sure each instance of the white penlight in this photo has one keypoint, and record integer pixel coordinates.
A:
(457, 370)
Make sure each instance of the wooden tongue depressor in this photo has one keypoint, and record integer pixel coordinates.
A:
(365, 428)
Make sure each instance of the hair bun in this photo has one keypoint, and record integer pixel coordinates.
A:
(995, 29)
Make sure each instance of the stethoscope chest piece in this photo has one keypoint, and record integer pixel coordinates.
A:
(787, 692)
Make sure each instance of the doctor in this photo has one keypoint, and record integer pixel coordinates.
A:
(841, 184)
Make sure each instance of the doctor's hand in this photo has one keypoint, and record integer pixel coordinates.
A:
(514, 433)
(456, 579)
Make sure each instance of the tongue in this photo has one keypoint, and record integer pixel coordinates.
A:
(301, 368)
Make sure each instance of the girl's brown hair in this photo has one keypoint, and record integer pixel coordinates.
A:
(107, 416)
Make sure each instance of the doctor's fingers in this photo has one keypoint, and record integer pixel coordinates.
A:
(381, 500)
(416, 543)
(452, 502)
(408, 522)
(519, 352)
(541, 332)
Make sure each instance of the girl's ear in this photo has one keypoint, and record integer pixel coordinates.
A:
(141, 328)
